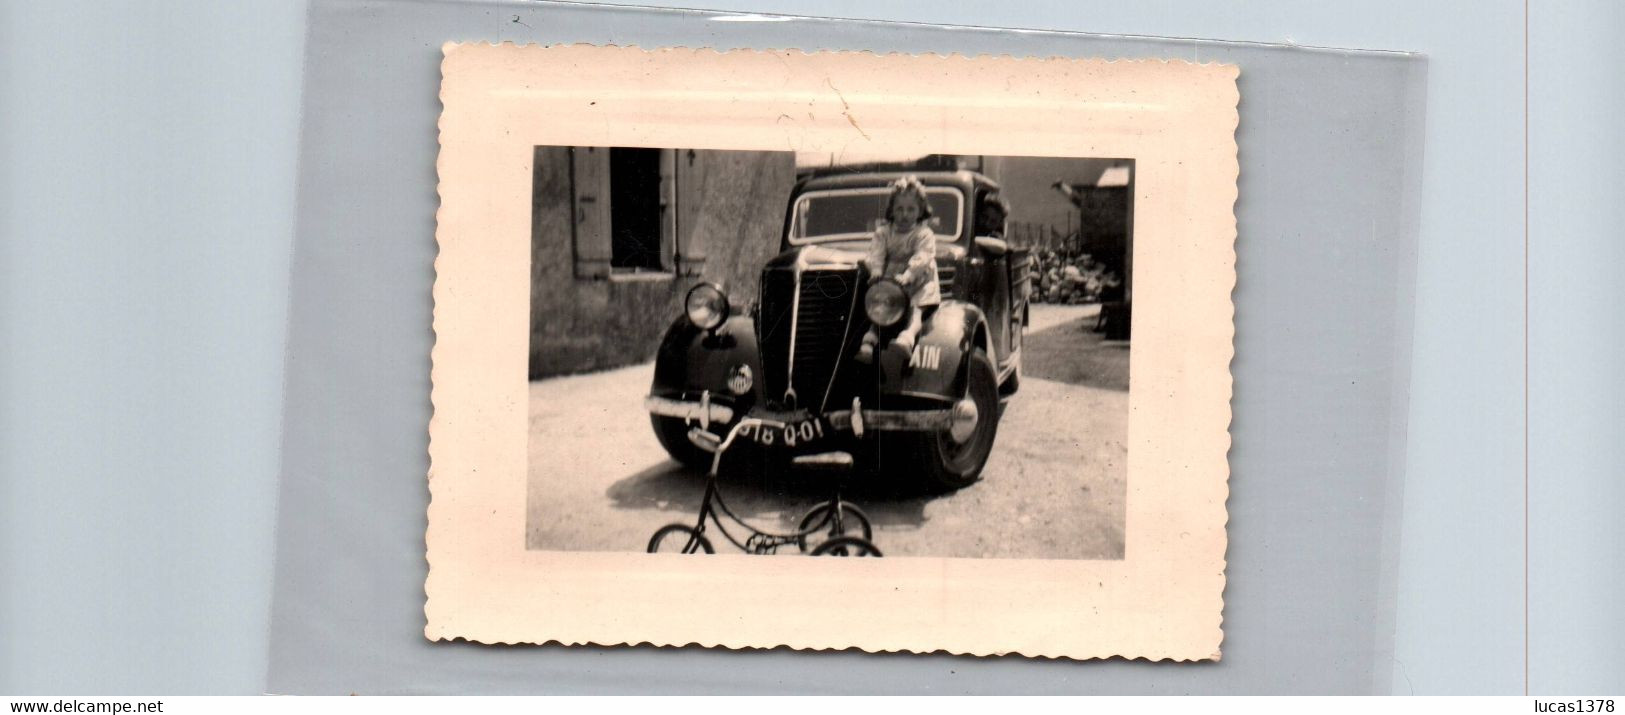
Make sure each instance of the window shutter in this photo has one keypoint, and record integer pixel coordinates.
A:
(689, 174)
(590, 184)
(668, 208)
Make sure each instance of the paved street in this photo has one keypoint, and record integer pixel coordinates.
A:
(1044, 316)
(1053, 488)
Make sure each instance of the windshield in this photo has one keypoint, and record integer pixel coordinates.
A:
(847, 214)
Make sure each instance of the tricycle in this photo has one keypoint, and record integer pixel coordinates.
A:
(847, 530)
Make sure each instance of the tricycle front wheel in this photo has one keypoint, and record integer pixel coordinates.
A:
(679, 539)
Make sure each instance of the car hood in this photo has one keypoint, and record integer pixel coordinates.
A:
(847, 254)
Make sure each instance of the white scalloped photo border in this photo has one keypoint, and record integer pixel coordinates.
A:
(1176, 119)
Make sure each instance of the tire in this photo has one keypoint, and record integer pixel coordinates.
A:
(1012, 384)
(688, 540)
(673, 435)
(940, 463)
(847, 546)
(819, 516)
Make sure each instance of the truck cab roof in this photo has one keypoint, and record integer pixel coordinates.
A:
(969, 181)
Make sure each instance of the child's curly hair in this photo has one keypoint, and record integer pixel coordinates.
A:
(909, 185)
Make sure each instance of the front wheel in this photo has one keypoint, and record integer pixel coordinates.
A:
(953, 458)
(679, 539)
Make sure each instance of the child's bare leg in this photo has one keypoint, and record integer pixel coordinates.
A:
(905, 339)
(866, 351)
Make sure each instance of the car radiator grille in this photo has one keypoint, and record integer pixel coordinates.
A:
(945, 279)
(828, 298)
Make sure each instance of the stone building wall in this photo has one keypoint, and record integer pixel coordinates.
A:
(728, 214)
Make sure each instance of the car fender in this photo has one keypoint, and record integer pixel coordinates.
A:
(935, 370)
(691, 360)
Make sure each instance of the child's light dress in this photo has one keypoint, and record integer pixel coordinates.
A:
(910, 258)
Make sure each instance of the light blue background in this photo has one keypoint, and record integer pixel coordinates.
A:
(146, 214)
(1322, 246)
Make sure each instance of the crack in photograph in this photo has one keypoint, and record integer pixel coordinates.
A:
(772, 352)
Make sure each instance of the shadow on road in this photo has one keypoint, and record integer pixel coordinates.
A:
(755, 493)
(667, 485)
(1076, 355)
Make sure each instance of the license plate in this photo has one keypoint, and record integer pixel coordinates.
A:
(791, 434)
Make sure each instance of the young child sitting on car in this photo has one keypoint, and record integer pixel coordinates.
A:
(904, 249)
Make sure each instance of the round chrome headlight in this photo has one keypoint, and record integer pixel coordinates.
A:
(885, 303)
(707, 306)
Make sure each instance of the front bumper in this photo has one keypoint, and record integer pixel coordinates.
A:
(856, 420)
(703, 411)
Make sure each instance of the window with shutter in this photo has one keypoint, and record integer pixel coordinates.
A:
(625, 212)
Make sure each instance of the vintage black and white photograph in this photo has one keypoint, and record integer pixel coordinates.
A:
(830, 354)
(935, 365)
